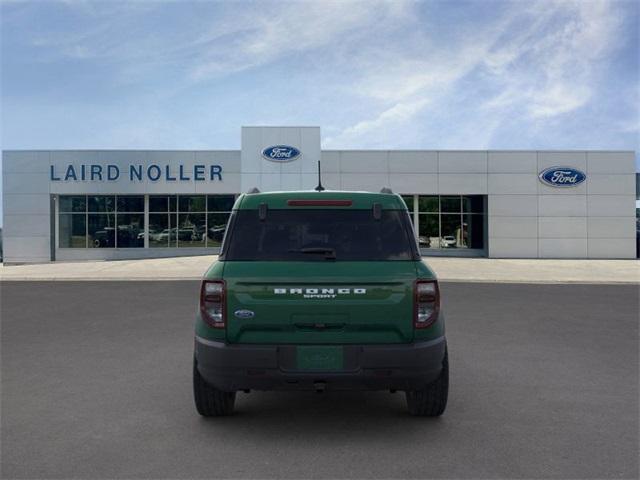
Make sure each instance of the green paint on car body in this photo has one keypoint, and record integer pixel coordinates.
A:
(321, 289)
(382, 314)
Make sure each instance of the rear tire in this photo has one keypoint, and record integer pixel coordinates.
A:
(211, 402)
(432, 400)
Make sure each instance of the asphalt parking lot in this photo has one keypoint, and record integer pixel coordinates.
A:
(96, 383)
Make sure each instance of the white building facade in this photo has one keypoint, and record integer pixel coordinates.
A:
(119, 204)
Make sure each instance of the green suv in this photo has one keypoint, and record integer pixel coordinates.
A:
(320, 291)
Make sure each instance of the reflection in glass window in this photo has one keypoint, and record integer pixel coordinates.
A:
(429, 231)
(192, 203)
(158, 230)
(473, 204)
(428, 204)
(450, 204)
(173, 229)
(218, 211)
(220, 203)
(102, 203)
(163, 230)
(110, 221)
(216, 226)
(73, 203)
(451, 221)
(158, 203)
(72, 230)
(473, 231)
(131, 203)
(191, 229)
(450, 231)
(130, 230)
(101, 230)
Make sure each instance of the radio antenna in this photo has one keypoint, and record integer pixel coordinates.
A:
(319, 188)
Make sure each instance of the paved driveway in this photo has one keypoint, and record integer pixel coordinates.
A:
(96, 384)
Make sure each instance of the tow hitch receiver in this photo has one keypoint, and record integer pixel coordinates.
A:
(319, 386)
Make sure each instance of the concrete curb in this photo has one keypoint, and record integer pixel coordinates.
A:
(454, 270)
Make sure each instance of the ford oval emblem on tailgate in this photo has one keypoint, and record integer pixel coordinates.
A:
(244, 314)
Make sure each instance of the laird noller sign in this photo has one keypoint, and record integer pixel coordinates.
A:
(135, 173)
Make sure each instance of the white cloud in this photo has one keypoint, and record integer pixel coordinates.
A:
(253, 38)
(630, 126)
(540, 60)
(406, 87)
(379, 71)
(232, 37)
(397, 114)
(558, 98)
(549, 69)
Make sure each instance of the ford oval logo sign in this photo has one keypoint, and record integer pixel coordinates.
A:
(562, 177)
(244, 314)
(281, 153)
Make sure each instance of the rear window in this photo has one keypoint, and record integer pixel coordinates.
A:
(321, 235)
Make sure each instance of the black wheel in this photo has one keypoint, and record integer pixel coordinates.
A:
(432, 400)
(211, 402)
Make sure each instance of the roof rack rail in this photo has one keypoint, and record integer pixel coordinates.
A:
(386, 190)
(254, 190)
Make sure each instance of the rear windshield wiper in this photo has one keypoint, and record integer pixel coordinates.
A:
(330, 253)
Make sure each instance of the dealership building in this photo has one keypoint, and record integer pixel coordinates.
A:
(68, 205)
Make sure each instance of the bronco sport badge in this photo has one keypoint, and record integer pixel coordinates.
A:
(319, 292)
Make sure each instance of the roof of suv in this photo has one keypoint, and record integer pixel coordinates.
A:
(326, 199)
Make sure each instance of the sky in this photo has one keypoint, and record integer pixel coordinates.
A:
(372, 74)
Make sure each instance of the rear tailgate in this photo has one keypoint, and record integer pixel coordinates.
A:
(319, 302)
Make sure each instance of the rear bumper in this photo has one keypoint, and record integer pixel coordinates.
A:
(365, 367)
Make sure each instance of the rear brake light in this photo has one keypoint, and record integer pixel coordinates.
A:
(212, 303)
(319, 203)
(426, 303)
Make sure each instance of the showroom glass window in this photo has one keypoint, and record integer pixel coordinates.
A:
(101, 221)
(188, 221)
(218, 213)
(72, 221)
(192, 225)
(451, 221)
(428, 221)
(130, 221)
(163, 220)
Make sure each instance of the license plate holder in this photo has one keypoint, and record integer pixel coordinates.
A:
(320, 358)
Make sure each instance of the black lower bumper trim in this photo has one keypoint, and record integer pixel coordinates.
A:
(365, 367)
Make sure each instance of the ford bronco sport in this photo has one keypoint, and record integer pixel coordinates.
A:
(320, 290)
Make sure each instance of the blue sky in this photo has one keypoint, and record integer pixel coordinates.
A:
(401, 74)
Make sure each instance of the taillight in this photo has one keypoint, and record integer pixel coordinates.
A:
(426, 303)
(212, 303)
